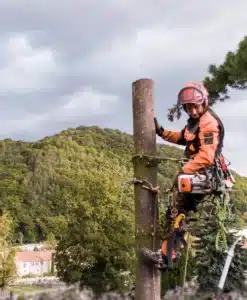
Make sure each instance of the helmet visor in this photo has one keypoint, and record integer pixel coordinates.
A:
(190, 95)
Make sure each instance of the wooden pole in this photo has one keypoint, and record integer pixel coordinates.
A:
(147, 286)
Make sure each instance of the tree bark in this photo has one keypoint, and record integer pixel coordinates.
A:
(147, 286)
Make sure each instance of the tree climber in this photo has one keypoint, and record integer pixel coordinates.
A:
(203, 137)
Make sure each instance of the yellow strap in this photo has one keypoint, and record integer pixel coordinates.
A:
(178, 220)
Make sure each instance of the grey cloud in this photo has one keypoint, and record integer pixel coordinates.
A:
(101, 46)
(78, 29)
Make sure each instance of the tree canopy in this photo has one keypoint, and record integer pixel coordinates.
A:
(71, 187)
(232, 73)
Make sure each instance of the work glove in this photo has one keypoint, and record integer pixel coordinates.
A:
(159, 129)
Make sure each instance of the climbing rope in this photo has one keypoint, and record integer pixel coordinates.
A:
(145, 184)
(153, 159)
(221, 208)
(221, 216)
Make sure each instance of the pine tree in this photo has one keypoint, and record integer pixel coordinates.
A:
(215, 239)
(230, 74)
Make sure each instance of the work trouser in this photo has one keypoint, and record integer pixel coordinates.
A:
(184, 203)
(187, 202)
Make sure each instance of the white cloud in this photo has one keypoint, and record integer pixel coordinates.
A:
(86, 102)
(164, 46)
(11, 126)
(26, 68)
(171, 42)
(235, 107)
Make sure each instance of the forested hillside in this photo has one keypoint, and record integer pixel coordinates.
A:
(42, 182)
(73, 186)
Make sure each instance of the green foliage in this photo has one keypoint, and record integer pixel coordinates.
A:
(41, 182)
(98, 249)
(7, 266)
(230, 74)
(239, 197)
(212, 249)
(213, 264)
(7, 254)
(70, 188)
(51, 242)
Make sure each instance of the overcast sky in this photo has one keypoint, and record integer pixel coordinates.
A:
(70, 63)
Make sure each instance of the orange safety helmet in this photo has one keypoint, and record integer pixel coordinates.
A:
(193, 92)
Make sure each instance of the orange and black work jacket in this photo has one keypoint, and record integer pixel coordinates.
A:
(203, 139)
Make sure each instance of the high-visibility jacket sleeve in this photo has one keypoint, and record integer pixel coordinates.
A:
(208, 143)
(175, 137)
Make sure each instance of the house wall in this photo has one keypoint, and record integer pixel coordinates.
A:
(35, 268)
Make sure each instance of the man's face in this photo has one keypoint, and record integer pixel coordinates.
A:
(194, 110)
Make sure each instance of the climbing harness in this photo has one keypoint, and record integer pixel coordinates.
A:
(216, 181)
